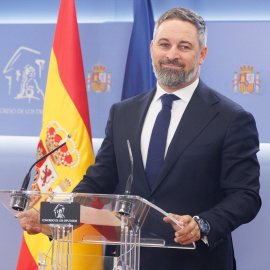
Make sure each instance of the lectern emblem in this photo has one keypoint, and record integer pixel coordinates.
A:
(59, 211)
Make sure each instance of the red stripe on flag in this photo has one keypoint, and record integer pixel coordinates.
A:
(26, 260)
(67, 50)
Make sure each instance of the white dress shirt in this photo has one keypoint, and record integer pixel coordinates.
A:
(178, 108)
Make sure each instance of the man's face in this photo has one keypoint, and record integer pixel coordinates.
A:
(176, 54)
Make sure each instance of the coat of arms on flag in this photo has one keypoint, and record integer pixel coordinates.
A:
(46, 172)
(100, 80)
(247, 80)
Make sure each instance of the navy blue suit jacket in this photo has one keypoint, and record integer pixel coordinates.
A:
(210, 170)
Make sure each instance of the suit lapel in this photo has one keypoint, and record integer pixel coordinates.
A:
(196, 117)
(140, 107)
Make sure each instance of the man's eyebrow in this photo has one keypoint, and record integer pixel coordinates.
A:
(181, 42)
(186, 42)
(163, 39)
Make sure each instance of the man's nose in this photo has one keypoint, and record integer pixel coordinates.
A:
(173, 53)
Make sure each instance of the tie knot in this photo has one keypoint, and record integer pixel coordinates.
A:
(167, 99)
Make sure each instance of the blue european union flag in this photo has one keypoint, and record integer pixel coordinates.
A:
(139, 76)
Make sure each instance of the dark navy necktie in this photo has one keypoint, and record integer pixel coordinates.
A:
(157, 145)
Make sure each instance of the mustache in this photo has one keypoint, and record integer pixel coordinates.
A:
(172, 62)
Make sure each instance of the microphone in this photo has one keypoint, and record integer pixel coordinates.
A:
(27, 177)
(130, 178)
(125, 207)
(19, 200)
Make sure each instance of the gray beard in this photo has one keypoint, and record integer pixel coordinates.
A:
(175, 78)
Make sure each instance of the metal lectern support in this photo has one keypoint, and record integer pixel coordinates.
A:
(130, 247)
(62, 249)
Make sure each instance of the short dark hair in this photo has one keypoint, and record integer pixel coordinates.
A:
(184, 14)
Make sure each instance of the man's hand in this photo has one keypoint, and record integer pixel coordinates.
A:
(189, 232)
(30, 222)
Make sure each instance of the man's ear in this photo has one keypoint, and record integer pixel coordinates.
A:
(203, 54)
(151, 48)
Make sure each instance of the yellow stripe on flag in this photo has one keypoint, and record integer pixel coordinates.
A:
(71, 120)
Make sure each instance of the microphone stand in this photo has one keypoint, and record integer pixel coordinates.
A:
(124, 207)
(20, 199)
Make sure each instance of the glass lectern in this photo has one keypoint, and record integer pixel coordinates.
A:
(129, 222)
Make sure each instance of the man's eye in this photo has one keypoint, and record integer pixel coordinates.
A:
(184, 47)
(164, 45)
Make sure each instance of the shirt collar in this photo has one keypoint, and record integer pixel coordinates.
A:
(184, 94)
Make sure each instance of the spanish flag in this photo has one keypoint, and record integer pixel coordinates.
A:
(65, 117)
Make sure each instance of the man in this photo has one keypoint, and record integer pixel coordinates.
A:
(209, 180)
